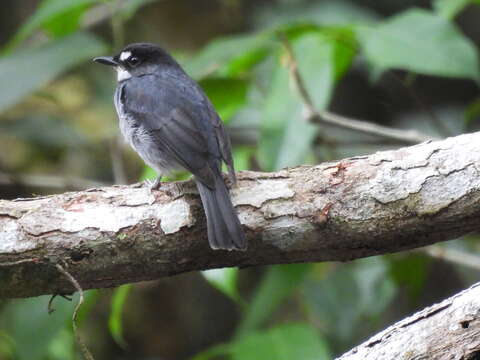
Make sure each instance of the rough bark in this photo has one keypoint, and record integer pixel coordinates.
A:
(449, 330)
(368, 205)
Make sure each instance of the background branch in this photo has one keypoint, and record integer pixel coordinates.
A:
(326, 117)
(454, 256)
(389, 201)
(448, 330)
(48, 181)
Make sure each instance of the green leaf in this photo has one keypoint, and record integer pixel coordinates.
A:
(148, 174)
(325, 12)
(7, 345)
(62, 347)
(213, 353)
(285, 342)
(115, 320)
(32, 130)
(228, 95)
(350, 298)
(286, 136)
(279, 282)
(472, 116)
(422, 42)
(32, 329)
(29, 70)
(410, 272)
(244, 62)
(130, 7)
(67, 22)
(224, 280)
(236, 53)
(242, 156)
(450, 8)
(58, 16)
(345, 49)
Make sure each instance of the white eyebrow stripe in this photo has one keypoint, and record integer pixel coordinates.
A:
(125, 55)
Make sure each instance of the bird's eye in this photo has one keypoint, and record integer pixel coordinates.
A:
(133, 61)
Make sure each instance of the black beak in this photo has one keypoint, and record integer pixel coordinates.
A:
(106, 60)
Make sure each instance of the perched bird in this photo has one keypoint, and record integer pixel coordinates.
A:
(169, 121)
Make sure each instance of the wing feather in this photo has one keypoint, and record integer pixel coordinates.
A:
(178, 123)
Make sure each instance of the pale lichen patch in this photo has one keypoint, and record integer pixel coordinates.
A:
(392, 184)
(12, 238)
(142, 196)
(174, 216)
(440, 192)
(262, 191)
(109, 217)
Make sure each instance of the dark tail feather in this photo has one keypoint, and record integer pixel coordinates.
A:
(223, 227)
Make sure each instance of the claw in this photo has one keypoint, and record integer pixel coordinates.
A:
(154, 184)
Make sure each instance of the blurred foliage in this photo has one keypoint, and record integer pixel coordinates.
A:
(389, 45)
(57, 113)
(115, 323)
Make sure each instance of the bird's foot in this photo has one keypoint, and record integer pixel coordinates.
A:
(229, 181)
(177, 190)
(153, 184)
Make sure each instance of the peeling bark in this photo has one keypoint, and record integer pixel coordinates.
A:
(362, 206)
(449, 330)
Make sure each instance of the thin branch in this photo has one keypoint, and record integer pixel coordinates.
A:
(100, 13)
(19, 262)
(49, 181)
(448, 330)
(325, 117)
(83, 347)
(454, 256)
(399, 135)
(103, 12)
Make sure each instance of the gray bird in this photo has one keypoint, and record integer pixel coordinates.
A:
(169, 121)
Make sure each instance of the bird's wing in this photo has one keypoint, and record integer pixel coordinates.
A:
(225, 147)
(179, 123)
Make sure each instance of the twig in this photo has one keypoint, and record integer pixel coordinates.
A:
(325, 117)
(19, 262)
(403, 136)
(50, 304)
(453, 256)
(100, 13)
(49, 181)
(86, 353)
(50, 307)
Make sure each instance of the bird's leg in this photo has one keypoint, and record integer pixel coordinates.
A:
(229, 181)
(154, 184)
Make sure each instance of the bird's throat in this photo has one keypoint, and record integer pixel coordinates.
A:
(122, 74)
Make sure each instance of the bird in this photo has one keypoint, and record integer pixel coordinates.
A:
(169, 121)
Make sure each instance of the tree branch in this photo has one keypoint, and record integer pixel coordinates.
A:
(386, 202)
(448, 330)
(326, 117)
(454, 256)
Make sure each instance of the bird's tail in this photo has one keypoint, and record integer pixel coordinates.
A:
(223, 227)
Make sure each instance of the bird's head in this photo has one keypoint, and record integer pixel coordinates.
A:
(137, 59)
